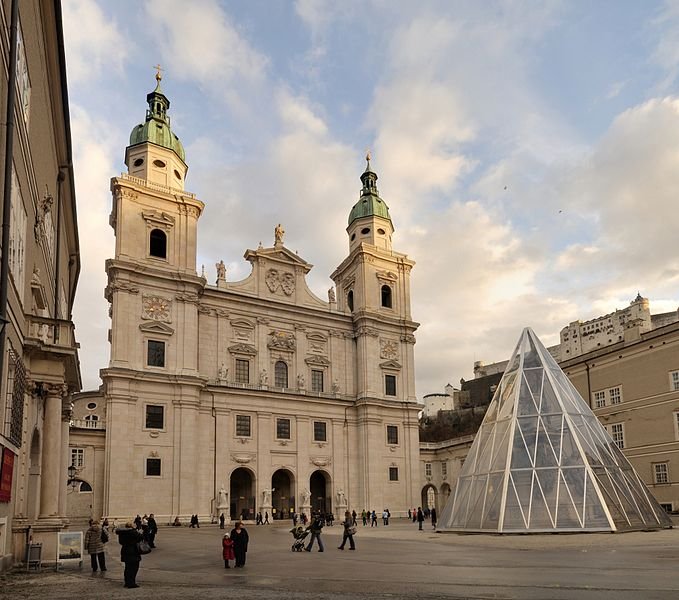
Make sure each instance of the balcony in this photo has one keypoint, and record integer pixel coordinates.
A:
(88, 424)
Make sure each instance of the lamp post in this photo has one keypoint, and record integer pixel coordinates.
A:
(72, 472)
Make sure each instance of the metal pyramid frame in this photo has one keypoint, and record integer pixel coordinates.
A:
(542, 462)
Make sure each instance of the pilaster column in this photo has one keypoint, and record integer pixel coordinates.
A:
(66, 415)
(50, 470)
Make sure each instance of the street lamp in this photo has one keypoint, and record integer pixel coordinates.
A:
(3, 323)
(72, 472)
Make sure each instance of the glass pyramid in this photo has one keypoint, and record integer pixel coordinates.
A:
(542, 462)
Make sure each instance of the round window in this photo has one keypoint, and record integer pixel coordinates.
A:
(159, 163)
(92, 405)
(139, 162)
(381, 231)
(365, 230)
(177, 175)
(353, 237)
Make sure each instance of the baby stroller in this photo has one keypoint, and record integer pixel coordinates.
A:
(299, 533)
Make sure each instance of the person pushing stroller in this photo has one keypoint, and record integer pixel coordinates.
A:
(315, 527)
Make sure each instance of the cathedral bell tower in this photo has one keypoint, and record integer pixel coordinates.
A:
(373, 285)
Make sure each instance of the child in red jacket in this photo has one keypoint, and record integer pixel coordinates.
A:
(227, 550)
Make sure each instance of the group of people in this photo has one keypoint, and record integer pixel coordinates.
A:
(235, 546)
(371, 516)
(259, 520)
(419, 516)
(318, 521)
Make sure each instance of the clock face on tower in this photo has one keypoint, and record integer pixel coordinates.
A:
(156, 308)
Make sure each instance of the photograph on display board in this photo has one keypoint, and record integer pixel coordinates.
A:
(70, 546)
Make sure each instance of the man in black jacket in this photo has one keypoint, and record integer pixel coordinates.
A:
(315, 528)
(128, 537)
(153, 530)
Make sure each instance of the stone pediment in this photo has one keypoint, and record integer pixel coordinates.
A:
(242, 323)
(155, 217)
(156, 328)
(316, 336)
(320, 361)
(243, 349)
(279, 255)
(390, 364)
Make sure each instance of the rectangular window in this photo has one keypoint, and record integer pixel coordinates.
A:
(15, 386)
(427, 469)
(444, 469)
(153, 467)
(156, 353)
(674, 381)
(599, 399)
(78, 457)
(393, 473)
(243, 425)
(283, 429)
(666, 506)
(661, 473)
(242, 371)
(390, 385)
(392, 434)
(316, 380)
(155, 416)
(320, 431)
(618, 434)
(615, 395)
(17, 236)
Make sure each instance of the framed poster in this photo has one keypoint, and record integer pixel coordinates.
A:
(70, 547)
(6, 474)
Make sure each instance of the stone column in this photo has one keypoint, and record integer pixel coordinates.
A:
(51, 453)
(66, 415)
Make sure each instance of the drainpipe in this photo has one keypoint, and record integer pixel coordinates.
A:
(589, 386)
(7, 192)
(214, 456)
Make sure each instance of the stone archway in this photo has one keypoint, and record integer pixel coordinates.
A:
(242, 494)
(319, 486)
(430, 497)
(283, 495)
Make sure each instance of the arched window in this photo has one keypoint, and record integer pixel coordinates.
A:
(386, 296)
(91, 421)
(281, 374)
(350, 300)
(85, 487)
(158, 243)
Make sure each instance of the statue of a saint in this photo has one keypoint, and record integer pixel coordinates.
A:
(300, 381)
(335, 386)
(263, 377)
(341, 498)
(306, 497)
(331, 295)
(221, 271)
(223, 373)
(266, 497)
(279, 232)
(223, 498)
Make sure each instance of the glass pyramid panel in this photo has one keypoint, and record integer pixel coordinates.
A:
(541, 461)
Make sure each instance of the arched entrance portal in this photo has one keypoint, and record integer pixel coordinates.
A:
(283, 496)
(319, 486)
(242, 488)
(430, 498)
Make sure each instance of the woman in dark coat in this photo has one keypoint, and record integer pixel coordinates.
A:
(128, 537)
(240, 539)
(348, 532)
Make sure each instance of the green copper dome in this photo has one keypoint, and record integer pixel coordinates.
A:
(370, 204)
(156, 129)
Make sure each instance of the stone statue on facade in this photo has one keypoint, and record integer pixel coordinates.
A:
(331, 296)
(223, 373)
(341, 498)
(335, 386)
(266, 497)
(306, 497)
(222, 498)
(221, 271)
(264, 377)
(300, 381)
(279, 232)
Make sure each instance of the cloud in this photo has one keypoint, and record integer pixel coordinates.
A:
(94, 43)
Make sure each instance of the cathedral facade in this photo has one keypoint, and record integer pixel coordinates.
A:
(253, 395)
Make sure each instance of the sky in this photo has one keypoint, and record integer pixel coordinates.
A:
(528, 150)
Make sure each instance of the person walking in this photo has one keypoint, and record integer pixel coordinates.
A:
(266, 517)
(221, 521)
(385, 518)
(227, 550)
(153, 530)
(349, 531)
(364, 517)
(94, 544)
(315, 528)
(128, 537)
(420, 517)
(433, 518)
(373, 519)
(239, 536)
(353, 516)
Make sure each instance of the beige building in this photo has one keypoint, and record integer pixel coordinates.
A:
(252, 395)
(633, 388)
(440, 465)
(39, 366)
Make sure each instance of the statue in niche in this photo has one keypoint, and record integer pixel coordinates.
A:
(335, 386)
(341, 498)
(279, 232)
(306, 497)
(223, 498)
(264, 377)
(300, 381)
(266, 497)
(221, 271)
(223, 372)
(331, 295)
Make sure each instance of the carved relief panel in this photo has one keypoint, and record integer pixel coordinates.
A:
(281, 282)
